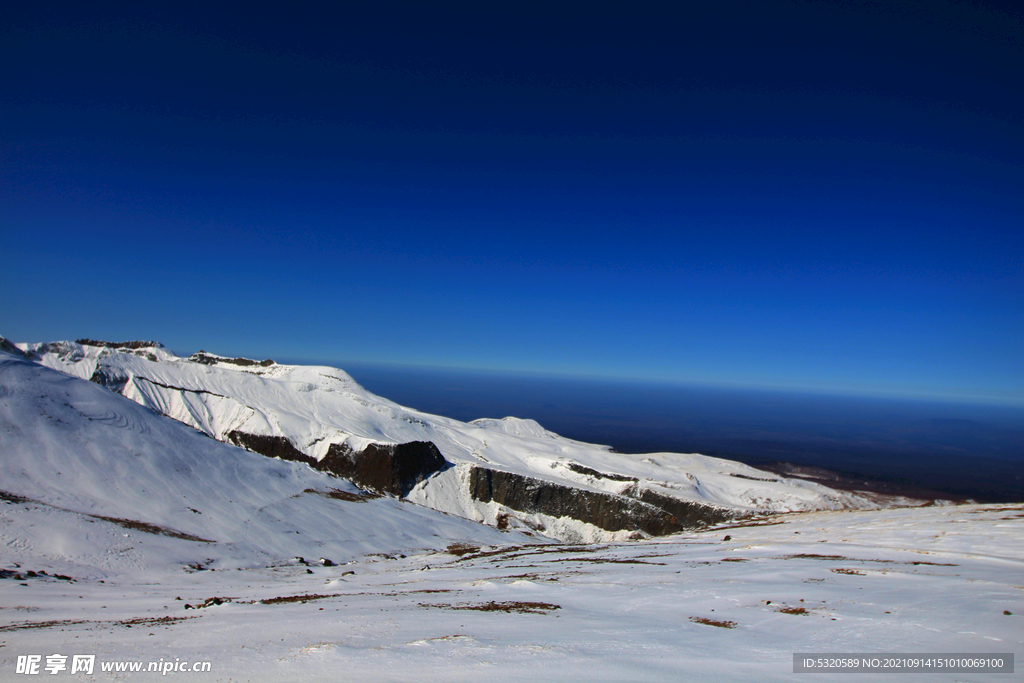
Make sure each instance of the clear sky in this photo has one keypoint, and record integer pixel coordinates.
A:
(813, 195)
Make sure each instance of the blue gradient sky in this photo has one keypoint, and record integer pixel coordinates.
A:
(818, 196)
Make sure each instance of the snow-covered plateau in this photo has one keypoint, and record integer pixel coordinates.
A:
(139, 539)
(504, 472)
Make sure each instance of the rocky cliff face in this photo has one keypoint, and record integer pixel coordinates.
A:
(396, 469)
(689, 514)
(393, 469)
(321, 417)
(385, 468)
(604, 510)
(270, 446)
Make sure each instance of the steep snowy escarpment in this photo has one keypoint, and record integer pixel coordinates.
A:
(89, 479)
(508, 473)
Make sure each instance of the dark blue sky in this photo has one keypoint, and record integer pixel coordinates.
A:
(824, 196)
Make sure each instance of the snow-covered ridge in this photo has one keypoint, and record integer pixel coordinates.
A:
(509, 472)
(94, 482)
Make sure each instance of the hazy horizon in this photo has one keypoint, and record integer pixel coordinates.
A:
(970, 450)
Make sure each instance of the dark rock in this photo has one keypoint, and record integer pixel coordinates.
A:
(270, 446)
(110, 378)
(605, 510)
(690, 514)
(120, 345)
(208, 359)
(385, 468)
(581, 469)
(727, 538)
(747, 476)
(380, 468)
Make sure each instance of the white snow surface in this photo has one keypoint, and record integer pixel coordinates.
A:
(82, 453)
(314, 407)
(141, 516)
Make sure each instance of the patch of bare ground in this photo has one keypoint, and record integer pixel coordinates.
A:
(460, 549)
(793, 610)
(753, 522)
(507, 607)
(148, 528)
(138, 621)
(516, 552)
(489, 553)
(613, 560)
(145, 527)
(999, 508)
(545, 549)
(11, 498)
(343, 495)
(538, 576)
(841, 558)
(454, 636)
(42, 624)
(518, 577)
(150, 621)
(299, 598)
(735, 559)
(851, 572)
(209, 602)
(713, 622)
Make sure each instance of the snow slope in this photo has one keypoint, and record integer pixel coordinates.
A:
(103, 482)
(317, 408)
(691, 607)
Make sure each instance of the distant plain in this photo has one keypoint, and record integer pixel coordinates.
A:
(917, 447)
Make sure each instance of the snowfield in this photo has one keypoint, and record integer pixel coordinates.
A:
(130, 536)
(690, 607)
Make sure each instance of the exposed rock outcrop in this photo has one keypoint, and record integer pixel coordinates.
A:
(690, 514)
(591, 472)
(110, 378)
(604, 510)
(270, 446)
(385, 468)
(381, 468)
(209, 359)
(120, 345)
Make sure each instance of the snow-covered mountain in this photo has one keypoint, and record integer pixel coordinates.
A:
(111, 514)
(508, 473)
(95, 481)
